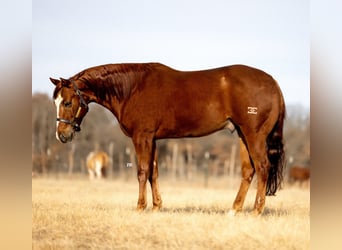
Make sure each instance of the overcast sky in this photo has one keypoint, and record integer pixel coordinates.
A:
(69, 36)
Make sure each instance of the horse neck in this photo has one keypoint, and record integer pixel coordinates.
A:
(111, 85)
(112, 104)
(107, 101)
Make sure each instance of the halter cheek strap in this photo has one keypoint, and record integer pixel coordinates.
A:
(78, 112)
(76, 121)
(78, 92)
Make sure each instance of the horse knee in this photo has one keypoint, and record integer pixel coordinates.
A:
(142, 175)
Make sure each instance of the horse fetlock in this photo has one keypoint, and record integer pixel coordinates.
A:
(141, 207)
(237, 206)
(156, 208)
(259, 206)
(157, 203)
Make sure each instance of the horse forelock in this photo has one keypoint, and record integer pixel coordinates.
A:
(56, 91)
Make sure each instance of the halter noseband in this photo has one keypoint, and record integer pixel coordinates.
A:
(76, 120)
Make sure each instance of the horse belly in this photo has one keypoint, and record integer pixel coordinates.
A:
(192, 122)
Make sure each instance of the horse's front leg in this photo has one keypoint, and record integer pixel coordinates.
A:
(143, 147)
(153, 178)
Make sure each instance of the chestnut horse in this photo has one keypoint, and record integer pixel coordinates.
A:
(299, 174)
(152, 101)
(97, 164)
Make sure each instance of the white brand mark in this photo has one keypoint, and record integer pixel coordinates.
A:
(252, 110)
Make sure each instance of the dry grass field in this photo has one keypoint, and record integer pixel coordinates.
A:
(74, 213)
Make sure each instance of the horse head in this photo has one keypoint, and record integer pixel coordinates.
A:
(71, 108)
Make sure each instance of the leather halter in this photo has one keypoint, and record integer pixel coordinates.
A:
(83, 105)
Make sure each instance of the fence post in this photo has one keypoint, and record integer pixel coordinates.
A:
(174, 160)
(110, 163)
(232, 164)
(71, 159)
(206, 168)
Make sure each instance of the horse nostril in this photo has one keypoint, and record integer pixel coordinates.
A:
(65, 137)
(62, 138)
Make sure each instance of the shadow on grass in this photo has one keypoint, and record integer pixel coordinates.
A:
(194, 209)
(212, 210)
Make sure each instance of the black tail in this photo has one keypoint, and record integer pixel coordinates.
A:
(276, 154)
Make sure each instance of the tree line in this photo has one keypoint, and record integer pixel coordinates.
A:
(214, 155)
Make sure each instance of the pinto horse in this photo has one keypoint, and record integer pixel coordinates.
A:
(97, 164)
(152, 101)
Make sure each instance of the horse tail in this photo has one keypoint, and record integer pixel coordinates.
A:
(276, 153)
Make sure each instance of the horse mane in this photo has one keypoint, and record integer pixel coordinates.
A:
(113, 79)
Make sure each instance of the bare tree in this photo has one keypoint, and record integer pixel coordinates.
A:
(177, 158)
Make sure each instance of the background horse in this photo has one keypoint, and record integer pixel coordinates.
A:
(152, 101)
(299, 174)
(97, 164)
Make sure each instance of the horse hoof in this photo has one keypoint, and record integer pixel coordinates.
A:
(256, 213)
(140, 209)
(231, 213)
(156, 209)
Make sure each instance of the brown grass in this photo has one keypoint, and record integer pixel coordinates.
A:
(79, 214)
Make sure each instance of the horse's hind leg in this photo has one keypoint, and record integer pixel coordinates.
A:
(91, 174)
(247, 172)
(153, 179)
(258, 153)
(98, 167)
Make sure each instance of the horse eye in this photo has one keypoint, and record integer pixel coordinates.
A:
(67, 104)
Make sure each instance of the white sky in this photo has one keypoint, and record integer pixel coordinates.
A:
(69, 36)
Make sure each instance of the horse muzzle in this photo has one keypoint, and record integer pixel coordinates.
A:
(64, 138)
(65, 133)
(74, 124)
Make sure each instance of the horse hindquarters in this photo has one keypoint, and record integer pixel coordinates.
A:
(266, 152)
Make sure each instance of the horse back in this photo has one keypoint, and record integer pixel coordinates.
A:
(173, 103)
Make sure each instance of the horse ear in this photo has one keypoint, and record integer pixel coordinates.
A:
(65, 82)
(54, 81)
